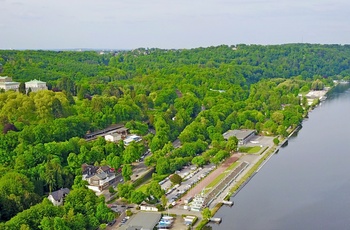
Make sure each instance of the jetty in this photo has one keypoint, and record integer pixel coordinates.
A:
(216, 220)
(229, 203)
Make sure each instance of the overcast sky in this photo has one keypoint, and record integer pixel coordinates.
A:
(128, 24)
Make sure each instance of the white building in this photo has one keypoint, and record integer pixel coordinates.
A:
(35, 85)
(9, 86)
(6, 83)
(131, 138)
(146, 207)
(113, 137)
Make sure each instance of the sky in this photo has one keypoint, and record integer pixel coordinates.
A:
(168, 24)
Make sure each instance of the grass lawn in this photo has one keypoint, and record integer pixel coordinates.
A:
(143, 187)
(221, 176)
(250, 150)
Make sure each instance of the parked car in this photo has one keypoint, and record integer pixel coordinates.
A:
(112, 222)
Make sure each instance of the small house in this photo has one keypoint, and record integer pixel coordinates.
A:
(58, 196)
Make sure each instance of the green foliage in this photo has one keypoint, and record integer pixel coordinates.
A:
(155, 190)
(137, 197)
(126, 172)
(137, 127)
(232, 144)
(16, 194)
(199, 161)
(206, 213)
(128, 212)
(175, 179)
(276, 141)
(317, 85)
(111, 190)
(125, 190)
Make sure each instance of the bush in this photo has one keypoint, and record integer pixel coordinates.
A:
(175, 179)
(128, 213)
(276, 141)
(111, 190)
(160, 207)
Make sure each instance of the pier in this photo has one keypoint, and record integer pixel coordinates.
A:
(229, 203)
(215, 220)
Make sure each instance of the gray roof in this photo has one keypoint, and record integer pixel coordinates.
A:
(59, 194)
(144, 220)
(240, 134)
(102, 175)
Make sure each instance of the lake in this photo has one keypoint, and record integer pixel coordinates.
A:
(306, 185)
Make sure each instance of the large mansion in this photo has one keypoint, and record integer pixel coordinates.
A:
(6, 83)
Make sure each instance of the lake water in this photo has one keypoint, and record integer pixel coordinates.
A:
(307, 184)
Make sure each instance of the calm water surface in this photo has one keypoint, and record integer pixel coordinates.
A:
(307, 184)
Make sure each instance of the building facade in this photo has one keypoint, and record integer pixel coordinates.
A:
(35, 85)
(98, 177)
(6, 84)
(243, 135)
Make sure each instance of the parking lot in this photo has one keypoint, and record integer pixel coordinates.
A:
(191, 175)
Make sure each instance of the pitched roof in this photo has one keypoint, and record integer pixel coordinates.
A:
(92, 170)
(59, 194)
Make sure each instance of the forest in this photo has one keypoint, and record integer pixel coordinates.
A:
(194, 95)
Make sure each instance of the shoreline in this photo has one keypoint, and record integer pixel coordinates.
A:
(237, 185)
(250, 171)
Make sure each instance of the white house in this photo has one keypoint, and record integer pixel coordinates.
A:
(132, 138)
(146, 207)
(9, 86)
(35, 85)
(113, 137)
(57, 197)
(6, 83)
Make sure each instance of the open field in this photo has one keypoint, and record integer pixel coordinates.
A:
(250, 150)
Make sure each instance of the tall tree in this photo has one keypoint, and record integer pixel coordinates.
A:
(22, 88)
(127, 172)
